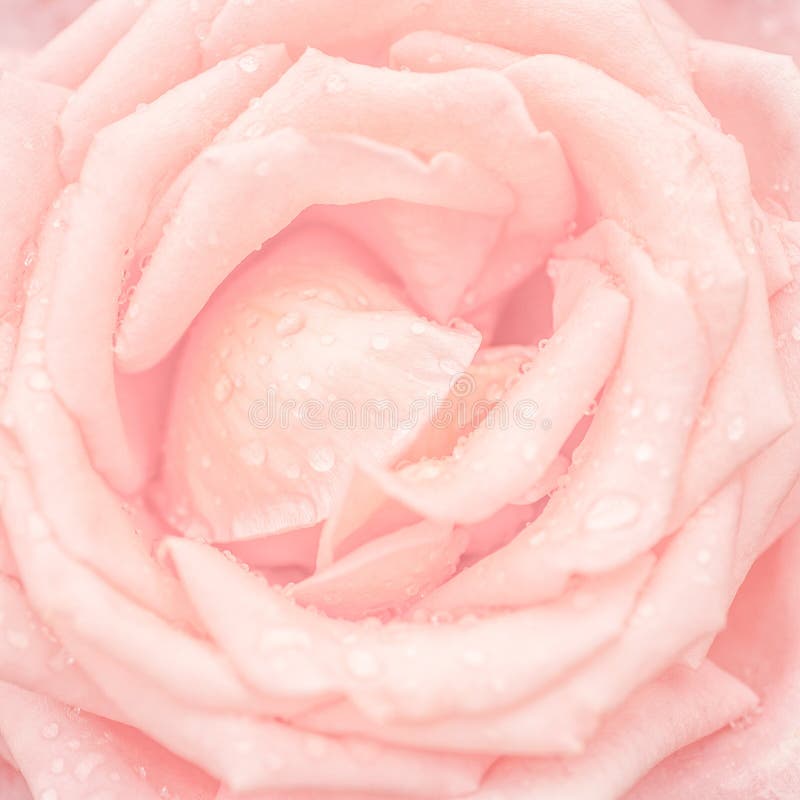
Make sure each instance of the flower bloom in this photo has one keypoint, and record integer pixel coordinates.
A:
(395, 399)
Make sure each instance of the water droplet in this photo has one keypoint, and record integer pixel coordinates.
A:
(335, 83)
(253, 453)
(50, 731)
(637, 408)
(17, 639)
(474, 658)
(704, 557)
(37, 526)
(49, 794)
(750, 246)
(285, 638)
(613, 511)
(39, 381)
(644, 452)
(736, 429)
(248, 63)
(362, 663)
(322, 458)
(133, 310)
(796, 332)
(290, 323)
(293, 472)
(222, 389)
(449, 366)
(57, 766)
(418, 327)
(304, 382)
(87, 765)
(380, 342)
(662, 412)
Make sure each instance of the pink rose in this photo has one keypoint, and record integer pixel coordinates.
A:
(396, 397)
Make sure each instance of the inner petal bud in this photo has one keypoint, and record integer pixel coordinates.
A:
(304, 362)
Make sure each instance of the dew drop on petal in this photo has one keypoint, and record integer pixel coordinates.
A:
(322, 458)
(335, 83)
(796, 332)
(290, 323)
(612, 511)
(254, 454)
(704, 557)
(662, 412)
(248, 63)
(449, 366)
(222, 389)
(380, 342)
(474, 658)
(362, 663)
(304, 382)
(87, 765)
(57, 766)
(17, 639)
(292, 638)
(644, 452)
(293, 471)
(736, 429)
(418, 327)
(50, 731)
(39, 381)
(49, 794)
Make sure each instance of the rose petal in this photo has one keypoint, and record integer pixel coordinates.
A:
(69, 57)
(470, 487)
(121, 177)
(284, 648)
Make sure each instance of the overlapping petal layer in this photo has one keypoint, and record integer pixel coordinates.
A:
(279, 522)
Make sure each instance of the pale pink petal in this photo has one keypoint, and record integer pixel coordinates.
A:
(671, 202)
(276, 405)
(282, 647)
(32, 657)
(27, 24)
(168, 33)
(772, 25)
(616, 501)
(126, 167)
(386, 574)
(675, 710)
(756, 96)
(237, 181)
(69, 57)
(70, 755)
(527, 428)
(760, 647)
(433, 51)
(617, 36)
(28, 151)
(250, 753)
